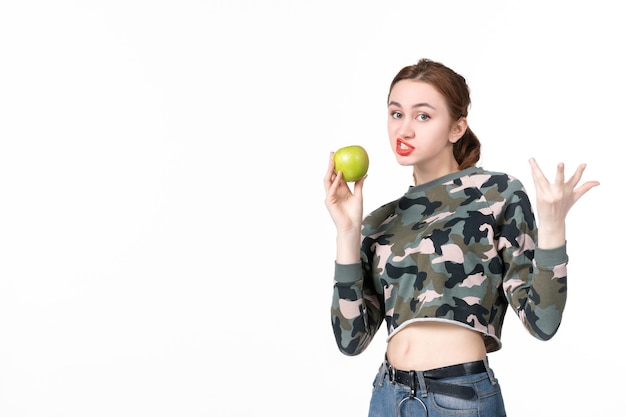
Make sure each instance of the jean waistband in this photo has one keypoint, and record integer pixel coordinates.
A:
(430, 380)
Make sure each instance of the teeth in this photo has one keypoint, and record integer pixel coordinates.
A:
(403, 146)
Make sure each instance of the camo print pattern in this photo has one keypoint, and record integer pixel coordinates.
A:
(460, 249)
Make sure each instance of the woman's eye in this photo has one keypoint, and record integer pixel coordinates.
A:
(422, 117)
(396, 115)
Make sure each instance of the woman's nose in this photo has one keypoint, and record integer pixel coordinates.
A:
(406, 130)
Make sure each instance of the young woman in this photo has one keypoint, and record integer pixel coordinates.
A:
(441, 264)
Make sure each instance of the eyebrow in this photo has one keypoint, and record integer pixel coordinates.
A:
(394, 103)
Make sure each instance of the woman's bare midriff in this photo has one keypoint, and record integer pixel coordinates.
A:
(427, 345)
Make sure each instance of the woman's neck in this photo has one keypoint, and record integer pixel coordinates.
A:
(424, 174)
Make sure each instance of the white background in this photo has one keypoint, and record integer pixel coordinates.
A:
(164, 246)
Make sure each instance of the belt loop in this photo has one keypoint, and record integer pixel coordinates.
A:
(422, 384)
(492, 378)
(382, 371)
(391, 371)
(414, 383)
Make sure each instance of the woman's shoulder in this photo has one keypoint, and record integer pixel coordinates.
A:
(378, 215)
(501, 181)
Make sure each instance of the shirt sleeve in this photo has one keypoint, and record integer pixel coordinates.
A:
(356, 308)
(534, 280)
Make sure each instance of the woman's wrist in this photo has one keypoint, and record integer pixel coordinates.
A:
(550, 235)
(348, 247)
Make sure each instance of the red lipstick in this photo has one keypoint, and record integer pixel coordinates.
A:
(403, 148)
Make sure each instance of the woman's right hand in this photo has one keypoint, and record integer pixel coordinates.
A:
(344, 205)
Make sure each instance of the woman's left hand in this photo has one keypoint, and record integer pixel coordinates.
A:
(554, 200)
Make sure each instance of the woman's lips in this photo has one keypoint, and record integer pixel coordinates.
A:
(403, 148)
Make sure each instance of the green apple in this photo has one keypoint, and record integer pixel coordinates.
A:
(352, 161)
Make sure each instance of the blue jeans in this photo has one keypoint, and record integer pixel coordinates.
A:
(392, 399)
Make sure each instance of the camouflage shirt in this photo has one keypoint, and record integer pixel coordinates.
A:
(459, 249)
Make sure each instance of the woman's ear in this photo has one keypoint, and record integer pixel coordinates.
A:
(458, 129)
